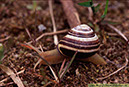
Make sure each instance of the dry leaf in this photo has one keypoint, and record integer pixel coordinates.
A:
(14, 77)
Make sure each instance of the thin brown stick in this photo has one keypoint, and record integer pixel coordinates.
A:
(24, 22)
(1, 40)
(36, 74)
(90, 13)
(126, 63)
(37, 63)
(62, 66)
(61, 74)
(51, 33)
(29, 34)
(53, 22)
(119, 32)
(112, 34)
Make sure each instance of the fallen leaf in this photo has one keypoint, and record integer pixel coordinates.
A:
(14, 77)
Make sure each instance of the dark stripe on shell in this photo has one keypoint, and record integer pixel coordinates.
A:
(70, 53)
(81, 42)
(79, 47)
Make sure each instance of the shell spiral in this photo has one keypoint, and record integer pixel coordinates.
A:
(81, 39)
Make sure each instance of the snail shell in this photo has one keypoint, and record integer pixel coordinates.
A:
(81, 39)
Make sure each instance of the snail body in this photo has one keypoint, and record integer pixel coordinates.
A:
(81, 39)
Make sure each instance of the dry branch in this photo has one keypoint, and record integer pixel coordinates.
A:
(119, 32)
(51, 33)
(53, 22)
(71, 13)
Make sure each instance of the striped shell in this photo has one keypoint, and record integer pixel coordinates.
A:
(81, 39)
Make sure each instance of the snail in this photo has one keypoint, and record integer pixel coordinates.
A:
(80, 39)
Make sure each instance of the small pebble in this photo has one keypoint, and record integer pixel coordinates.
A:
(41, 27)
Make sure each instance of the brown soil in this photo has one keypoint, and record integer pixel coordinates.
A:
(15, 16)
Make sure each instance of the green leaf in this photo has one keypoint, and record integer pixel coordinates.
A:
(90, 24)
(1, 52)
(97, 8)
(86, 4)
(105, 11)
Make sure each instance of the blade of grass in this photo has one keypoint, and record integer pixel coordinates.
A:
(64, 72)
(97, 8)
(34, 5)
(105, 11)
(1, 52)
(62, 66)
(88, 4)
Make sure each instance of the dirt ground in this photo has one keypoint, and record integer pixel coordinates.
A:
(18, 15)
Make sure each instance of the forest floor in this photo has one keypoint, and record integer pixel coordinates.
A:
(18, 15)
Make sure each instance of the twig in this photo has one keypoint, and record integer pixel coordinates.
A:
(62, 66)
(77, 16)
(24, 22)
(51, 33)
(41, 48)
(1, 40)
(90, 14)
(37, 63)
(101, 78)
(39, 59)
(112, 34)
(56, 78)
(53, 22)
(46, 77)
(46, 85)
(29, 35)
(119, 32)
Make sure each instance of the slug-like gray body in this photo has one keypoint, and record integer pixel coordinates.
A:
(81, 39)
